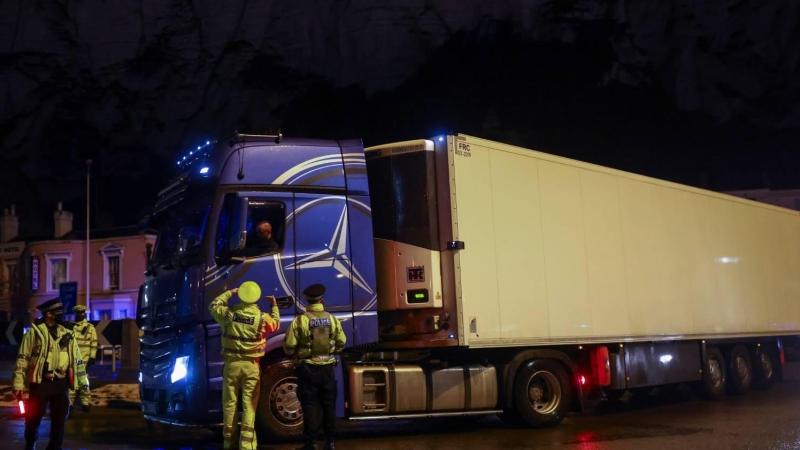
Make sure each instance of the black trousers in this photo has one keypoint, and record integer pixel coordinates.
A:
(317, 392)
(56, 394)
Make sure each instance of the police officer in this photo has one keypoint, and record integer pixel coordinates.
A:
(86, 336)
(244, 327)
(49, 364)
(313, 339)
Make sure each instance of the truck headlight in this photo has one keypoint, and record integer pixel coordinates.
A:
(179, 370)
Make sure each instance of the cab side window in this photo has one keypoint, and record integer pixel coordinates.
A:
(265, 228)
(260, 228)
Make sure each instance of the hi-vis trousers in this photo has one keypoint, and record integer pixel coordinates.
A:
(243, 374)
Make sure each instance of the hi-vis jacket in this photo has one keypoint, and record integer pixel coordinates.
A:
(244, 327)
(86, 335)
(37, 347)
(303, 343)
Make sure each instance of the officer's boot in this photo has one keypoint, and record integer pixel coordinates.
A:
(330, 444)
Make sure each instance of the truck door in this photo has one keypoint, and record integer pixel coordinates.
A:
(322, 245)
(261, 260)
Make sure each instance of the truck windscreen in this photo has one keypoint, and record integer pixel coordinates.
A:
(403, 196)
(181, 228)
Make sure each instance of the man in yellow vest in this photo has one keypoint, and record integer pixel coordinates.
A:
(49, 364)
(86, 337)
(244, 330)
(313, 339)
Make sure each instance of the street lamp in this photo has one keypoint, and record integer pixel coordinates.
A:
(88, 172)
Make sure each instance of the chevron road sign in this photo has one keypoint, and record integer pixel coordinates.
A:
(109, 332)
(11, 332)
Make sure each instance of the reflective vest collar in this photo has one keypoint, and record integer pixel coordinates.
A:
(315, 307)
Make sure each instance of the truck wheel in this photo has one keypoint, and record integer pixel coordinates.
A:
(740, 370)
(279, 416)
(543, 393)
(763, 373)
(712, 386)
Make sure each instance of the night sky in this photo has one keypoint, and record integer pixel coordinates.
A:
(572, 93)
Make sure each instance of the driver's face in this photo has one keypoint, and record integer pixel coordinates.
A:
(265, 231)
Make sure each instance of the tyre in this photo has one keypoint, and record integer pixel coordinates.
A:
(712, 386)
(512, 417)
(763, 371)
(542, 393)
(740, 371)
(279, 416)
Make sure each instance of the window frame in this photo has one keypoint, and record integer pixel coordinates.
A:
(109, 251)
(10, 284)
(52, 257)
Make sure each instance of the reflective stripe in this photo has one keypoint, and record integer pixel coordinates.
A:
(233, 351)
(321, 358)
(242, 339)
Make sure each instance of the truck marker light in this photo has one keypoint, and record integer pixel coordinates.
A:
(204, 170)
(665, 359)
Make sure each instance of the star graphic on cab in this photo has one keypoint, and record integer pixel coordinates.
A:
(334, 255)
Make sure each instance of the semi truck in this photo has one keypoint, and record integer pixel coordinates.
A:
(471, 278)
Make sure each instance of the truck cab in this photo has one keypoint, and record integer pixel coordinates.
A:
(314, 196)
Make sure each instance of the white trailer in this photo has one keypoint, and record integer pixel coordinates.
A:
(517, 282)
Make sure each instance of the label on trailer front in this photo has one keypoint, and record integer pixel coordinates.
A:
(416, 274)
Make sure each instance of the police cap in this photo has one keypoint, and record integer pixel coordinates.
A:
(79, 309)
(314, 292)
(51, 305)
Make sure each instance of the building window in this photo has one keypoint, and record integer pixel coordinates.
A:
(104, 314)
(112, 266)
(113, 272)
(9, 284)
(12, 277)
(57, 269)
(58, 272)
(123, 314)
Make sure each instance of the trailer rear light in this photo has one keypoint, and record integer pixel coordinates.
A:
(601, 366)
(583, 380)
(782, 356)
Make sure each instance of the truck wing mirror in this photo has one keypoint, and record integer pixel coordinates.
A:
(239, 238)
(238, 244)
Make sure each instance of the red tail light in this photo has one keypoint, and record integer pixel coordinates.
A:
(583, 380)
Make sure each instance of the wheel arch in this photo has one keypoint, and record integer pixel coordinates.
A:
(512, 367)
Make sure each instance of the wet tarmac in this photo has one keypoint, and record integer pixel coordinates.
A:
(659, 420)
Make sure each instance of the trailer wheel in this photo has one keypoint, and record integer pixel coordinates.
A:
(763, 373)
(712, 386)
(543, 393)
(741, 371)
(279, 416)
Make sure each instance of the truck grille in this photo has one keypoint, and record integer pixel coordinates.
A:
(156, 354)
(160, 316)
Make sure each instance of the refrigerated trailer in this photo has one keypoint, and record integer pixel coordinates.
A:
(472, 278)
